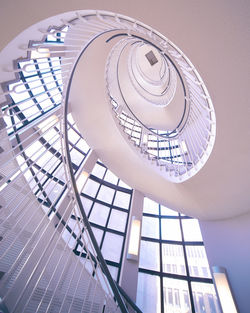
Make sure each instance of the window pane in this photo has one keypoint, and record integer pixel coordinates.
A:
(76, 156)
(98, 234)
(205, 299)
(117, 220)
(170, 229)
(122, 199)
(191, 230)
(112, 252)
(106, 194)
(113, 271)
(86, 204)
(197, 261)
(149, 255)
(99, 214)
(149, 206)
(176, 296)
(150, 227)
(98, 170)
(122, 184)
(167, 211)
(148, 293)
(173, 259)
(110, 177)
(91, 188)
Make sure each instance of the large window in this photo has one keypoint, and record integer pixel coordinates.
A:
(174, 275)
(106, 201)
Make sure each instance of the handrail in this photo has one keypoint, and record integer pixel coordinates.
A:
(176, 131)
(129, 300)
(104, 267)
(190, 79)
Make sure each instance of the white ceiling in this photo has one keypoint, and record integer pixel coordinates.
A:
(215, 36)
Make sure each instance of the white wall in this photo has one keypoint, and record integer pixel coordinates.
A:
(227, 245)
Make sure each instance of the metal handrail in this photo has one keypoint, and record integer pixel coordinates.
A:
(192, 80)
(176, 131)
(129, 300)
(103, 264)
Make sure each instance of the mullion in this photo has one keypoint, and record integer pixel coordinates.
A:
(161, 260)
(74, 146)
(48, 174)
(110, 185)
(74, 129)
(167, 216)
(110, 208)
(175, 276)
(105, 228)
(91, 208)
(102, 202)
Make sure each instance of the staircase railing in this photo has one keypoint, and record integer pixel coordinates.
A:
(38, 191)
(40, 163)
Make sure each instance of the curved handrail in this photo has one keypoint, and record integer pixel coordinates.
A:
(77, 196)
(192, 80)
(175, 132)
(129, 300)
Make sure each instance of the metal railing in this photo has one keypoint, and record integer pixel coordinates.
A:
(41, 162)
(180, 151)
(38, 188)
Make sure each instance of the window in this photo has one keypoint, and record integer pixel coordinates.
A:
(172, 251)
(107, 206)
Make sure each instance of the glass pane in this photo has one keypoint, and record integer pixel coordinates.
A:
(110, 177)
(122, 199)
(173, 259)
(205, 299)
(98, 171)
(170, 229)
(197, 261)
(150, 206)
(191, 230)
(148, 293)
(82, 145)
(86, 204)
(176, 296)
(149, 255)
(150, 227)
(76, 156)
(113, 271)
(112, 252)
(98, 234)
(117, 220)
(122, 184)
(167, 211)
(99, 214)
(106, 194)
(91, 188)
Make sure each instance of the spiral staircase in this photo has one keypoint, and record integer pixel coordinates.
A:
(42, 118)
